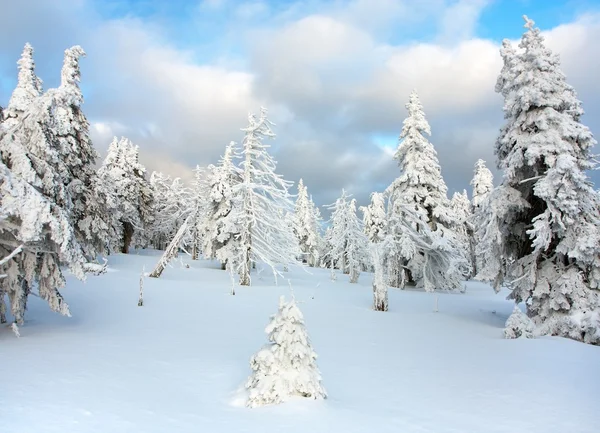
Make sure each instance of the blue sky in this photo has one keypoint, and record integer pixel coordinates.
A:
(179, 77)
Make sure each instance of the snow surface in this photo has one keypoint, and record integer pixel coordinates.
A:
(178, 363)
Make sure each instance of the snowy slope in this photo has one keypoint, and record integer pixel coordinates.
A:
(175, 365)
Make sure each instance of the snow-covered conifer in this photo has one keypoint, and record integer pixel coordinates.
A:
(307, 226)
(262, 198)
(419, 195)
(286, 367)
(541, 228)
(519, 325)
(29, 87)
(482, 183)
(199, 198)
(221, 225)
(124, 178)
(171, 206)
(461, 207)
(349, 250)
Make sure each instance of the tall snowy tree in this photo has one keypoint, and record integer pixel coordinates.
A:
(286, 367)
(461, 207)
(171, 207)
(419, 191)
(29, 88)
(198, 216)
(381, 245)
(541, 230)
(124, 179)
(262, 198)
(221, 224)
(349, 248)
(307, 226)
(482, 183)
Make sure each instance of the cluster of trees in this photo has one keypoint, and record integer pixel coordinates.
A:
(537, 233)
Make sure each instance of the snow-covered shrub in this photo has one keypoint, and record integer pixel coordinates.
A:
(287, 367)
(519, 325)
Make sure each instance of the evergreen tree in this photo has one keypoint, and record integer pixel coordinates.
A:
(419, 195)
(349, 250)
(170, 208)
(198, 217)
(541, 228)
(221, 226)
(124, 180)
(262, 199)
(306, 226)
(482, 182)
(287, 367)
(461, 207)
(29, 88)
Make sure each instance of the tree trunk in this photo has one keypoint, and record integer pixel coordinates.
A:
(2, 308)
(127, 237)
(170, 252)
(245, 269)
(354, 274)
(224, 265)
(380, 290)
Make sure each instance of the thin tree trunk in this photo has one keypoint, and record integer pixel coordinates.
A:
(171, 251)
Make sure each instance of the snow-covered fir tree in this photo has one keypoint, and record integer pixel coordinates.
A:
(221, 224)
(541, 227)
(519, 325)
(171, 207)
(307, 226)
(349, 249)
(287, 367)
(199, 208)
(124, 179)
(482, 183)
(262, 198)
(419, 195)
(36, 236)
(29, 88)
(380, 244)
(461, 207)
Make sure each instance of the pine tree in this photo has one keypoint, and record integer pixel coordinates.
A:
(541, 228)
(262, 199)
(124, 180)
(482, 183)
(29, 88)
(461, 207)
(306, 226)
(375, 224)
(519, 325)
(419, 195)
(287, 367)
(349, 250)
(221, 226)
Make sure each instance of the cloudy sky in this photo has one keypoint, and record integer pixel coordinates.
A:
(179, 77)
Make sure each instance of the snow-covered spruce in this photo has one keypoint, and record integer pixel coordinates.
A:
(261, 200)
(199, 209)
(461, 207)
(519, 325)
(171, 206)
(349, 249)
(540, 232)
(482, 183)
(220, 226)
(420, 195)
(287, 367)
(375, 227)
(122, 179)
(306, 226)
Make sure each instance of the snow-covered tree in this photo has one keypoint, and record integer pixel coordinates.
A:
(482, 183)
(461, 207)
(419, 195)
(36, 237)
(199, 198)
(375, 226)
(221, 224)
(519, 325)
(286, 367)
(29, 87)
(124, 179)
(349, 250)
(262, 198)
(541, 228)
(171, 206)
(307, 226)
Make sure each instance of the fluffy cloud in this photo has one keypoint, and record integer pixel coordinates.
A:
(332, 83)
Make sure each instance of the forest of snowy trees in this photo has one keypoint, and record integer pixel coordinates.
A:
(536, 233)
